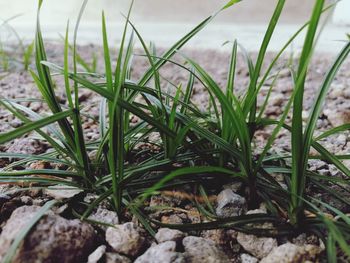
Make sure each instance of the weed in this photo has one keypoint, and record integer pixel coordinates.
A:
(195, 147)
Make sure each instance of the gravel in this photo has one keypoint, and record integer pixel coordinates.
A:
(126, 241)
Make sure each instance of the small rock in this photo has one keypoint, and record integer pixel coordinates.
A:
(116, 258)
(221, 237)
(38, 201)
(125, 239)
(341, 140)
(97, 254)
(167, 234)
(304, 239)
(289, 253)
(174, 218)
(337, 118)
(277, 99)
(104, 216)
(336, 91)
(162, 253)
(198, 249)
(235, 186)
(26, 200)
(16, 123)
(40, 165)
(246, 258)
(27, 146)
(304, 115)
(230, 204)
(52, 239)
(259, 247)
(61, 192)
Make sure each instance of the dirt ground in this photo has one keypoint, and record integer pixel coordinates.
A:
(220, 245)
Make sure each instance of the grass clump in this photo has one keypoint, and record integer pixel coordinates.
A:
(194, 147)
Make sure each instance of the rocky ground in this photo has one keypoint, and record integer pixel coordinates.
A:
(61, 238)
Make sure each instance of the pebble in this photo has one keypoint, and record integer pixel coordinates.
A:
(230, 204)
(27, 146)
(104, 216)
(97, 254)
(116, 258)
(259, 247)
(289, 253)
(167, 234)
(125, 239)
(198, 249)
(162, 253)
(246, 258)
(51, 234)
(61, 192)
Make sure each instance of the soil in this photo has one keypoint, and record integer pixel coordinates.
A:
(227, 245)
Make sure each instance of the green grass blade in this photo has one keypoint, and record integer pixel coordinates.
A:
(341, 128)
(316, 109)
(5, 137)
(298, 150)
(260, 59)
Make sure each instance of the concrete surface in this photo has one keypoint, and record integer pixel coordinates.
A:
(165, 21)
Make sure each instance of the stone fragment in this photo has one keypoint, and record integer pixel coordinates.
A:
(61, 192)
(198, 249)
(230, 204)
(97, 254)
(167, 234)
(52, 239)
(125, 239)
(116, 258)
(259, 247)
(27, 146)
(162, 253)
(289, 253)
(105, 216)
(246, 258)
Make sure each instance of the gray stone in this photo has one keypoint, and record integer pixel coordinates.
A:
(27, 146)
(288, 253)
(61, 192)
(105, 216)
(221, 237)
(277, 99)
(97, 254)
(230, 204)
(235, 186)
(259, 247)
(125, 239)
(162, 253)
(198, 249)
(52, 239)
(26, 200)
(116, 258)
(167, 234)
(246, 258)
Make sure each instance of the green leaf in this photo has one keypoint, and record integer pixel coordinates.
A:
(230, 3)
(187, 171)
(5, 137)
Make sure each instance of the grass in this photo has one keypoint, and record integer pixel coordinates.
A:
(9, 56)
(195, 147)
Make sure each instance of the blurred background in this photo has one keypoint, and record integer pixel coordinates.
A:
(165, 21)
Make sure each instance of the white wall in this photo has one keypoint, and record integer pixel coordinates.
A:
(342, 13)
(179, 11)
(165, 21)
